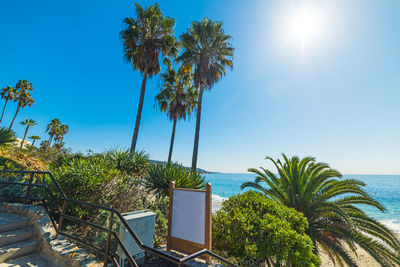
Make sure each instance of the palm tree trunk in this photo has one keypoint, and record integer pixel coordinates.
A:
(197, 134)
(139, 112)
(33, 142)
(171, 146)
(16, 113)
(2, 114)
(23, 140)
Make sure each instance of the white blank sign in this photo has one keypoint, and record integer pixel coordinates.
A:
(188, 215)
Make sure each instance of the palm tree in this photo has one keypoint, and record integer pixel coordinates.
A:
(34, 138)
(144, 39)
(52, 128)
(61, 132)
(178, 97)
(7, 137)
(23, 97)
(207, 49)
(331, 205)
(8, 93)
(28, 123)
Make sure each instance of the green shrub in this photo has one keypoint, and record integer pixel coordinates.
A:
(160, 175)
(84, 179)
(161, 207)
(8, 191)
(252, 230)
(9, 164)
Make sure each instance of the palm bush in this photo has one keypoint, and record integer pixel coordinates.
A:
(131, 163)
(160, 175)
(7, 137)
(268, 232)
(332, 207)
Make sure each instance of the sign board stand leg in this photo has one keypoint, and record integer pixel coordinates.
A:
(208, 222)
(171, 196)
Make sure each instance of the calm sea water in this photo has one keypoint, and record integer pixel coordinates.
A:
(384, 188)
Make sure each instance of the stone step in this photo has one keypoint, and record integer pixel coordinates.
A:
(11, 222)
(17, 250)
(15, 236)
(34, 260)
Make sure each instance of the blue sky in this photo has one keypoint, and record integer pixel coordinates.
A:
(335, 97)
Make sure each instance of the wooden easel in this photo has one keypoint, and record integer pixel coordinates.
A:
(186, 245)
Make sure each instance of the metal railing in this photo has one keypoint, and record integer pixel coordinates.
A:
(55, 210)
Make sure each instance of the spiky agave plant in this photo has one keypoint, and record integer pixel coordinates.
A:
(331, 205)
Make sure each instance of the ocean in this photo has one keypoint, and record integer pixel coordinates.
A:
(384, 188)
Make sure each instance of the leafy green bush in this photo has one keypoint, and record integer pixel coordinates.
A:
(161, 207)
(84, 179)
(160, 175)
(11, 190)
(252, 230)
(9, 164)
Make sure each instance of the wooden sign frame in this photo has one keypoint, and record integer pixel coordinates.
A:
(186, 246)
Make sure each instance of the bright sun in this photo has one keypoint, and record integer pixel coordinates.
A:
(304, 25)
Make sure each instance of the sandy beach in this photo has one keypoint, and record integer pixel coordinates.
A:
(362, 258)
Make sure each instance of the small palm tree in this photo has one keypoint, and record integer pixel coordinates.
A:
(331, 205)
(34, 138)
(8, 93)
(208, 51)
(144, 39)
(7, 137)
(178, 97)
(29, 123)
(23, 98)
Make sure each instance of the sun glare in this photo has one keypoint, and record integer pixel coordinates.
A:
(305, 25)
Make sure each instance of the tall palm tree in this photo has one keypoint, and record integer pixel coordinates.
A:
(144, 39)
(178, 97)
(53, 128)
(331, 205)
(208, 51)
(29, 123)
(34, 138)
(8, 93)
(23, 98)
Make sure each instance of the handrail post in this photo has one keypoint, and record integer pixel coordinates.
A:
(108, 244)
(29, 188)
(61, 218)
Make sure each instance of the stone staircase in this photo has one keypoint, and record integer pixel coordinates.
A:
(18, 245)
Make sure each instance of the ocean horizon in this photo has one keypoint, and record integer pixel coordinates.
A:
(384, 188)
